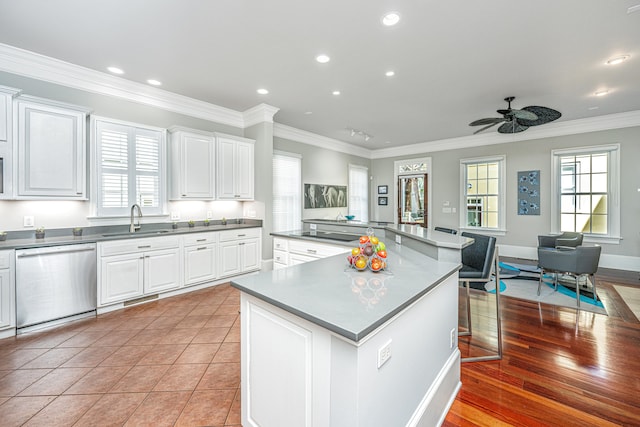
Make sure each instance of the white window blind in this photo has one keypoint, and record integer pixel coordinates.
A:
(359, 192)
(129, 168)
(287, 193)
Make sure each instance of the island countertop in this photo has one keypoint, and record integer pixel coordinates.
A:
(343, 300)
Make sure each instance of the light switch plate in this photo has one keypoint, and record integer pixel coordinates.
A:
(175, 216)
(29, 221)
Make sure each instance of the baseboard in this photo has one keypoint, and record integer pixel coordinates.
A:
(617, 262)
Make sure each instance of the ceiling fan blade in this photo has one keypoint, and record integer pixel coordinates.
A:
(487, 127)
(512, 127)
(503, 112)
(544, 114)
(524, 115)
(491, 120)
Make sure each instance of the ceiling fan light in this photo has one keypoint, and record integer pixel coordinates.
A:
(601, 93)
(391, 19)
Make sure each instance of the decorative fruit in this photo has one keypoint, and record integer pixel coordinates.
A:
(382, 253)
(355, 251)
(361, 263)
(374, 240)
(364, 239)
(381, 246)
(376, 264)
(368, 249)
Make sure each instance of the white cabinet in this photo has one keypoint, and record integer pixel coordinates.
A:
(240, 251)
(6, 148)
(7, 290)
(192, 164)
(200, 258)
(234, 171)
(51, 141)
(298, 251)
(133, 268)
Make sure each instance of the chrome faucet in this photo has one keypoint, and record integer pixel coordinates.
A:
(133, 227)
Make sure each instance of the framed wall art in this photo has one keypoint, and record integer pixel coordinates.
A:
(383, 189)
(529, 192)
(383, 201)
(325, 196)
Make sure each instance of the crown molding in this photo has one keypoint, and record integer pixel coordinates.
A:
(261, 113)
(572, 127)
(29, 64)
(305, 137)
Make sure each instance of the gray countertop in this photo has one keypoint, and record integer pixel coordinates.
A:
(56, 237)
(343, 300)
(321, 236)
(354, 223)
(432, 237)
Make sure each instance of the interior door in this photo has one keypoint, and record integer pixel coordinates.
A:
(412, 199)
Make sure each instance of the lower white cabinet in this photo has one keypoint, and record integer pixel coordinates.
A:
(240, 251)
(200, 258)
(133, 268)
(288, 252)
(7, 290)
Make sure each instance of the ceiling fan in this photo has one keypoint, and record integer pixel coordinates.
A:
(514, 121)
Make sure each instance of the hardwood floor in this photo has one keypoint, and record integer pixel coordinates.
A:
(560, 367)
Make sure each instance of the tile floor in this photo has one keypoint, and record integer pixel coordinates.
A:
(172, 362)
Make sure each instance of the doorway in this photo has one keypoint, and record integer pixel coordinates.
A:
(412, 198)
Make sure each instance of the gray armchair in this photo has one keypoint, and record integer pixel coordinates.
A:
(578, 263)
(567, 239)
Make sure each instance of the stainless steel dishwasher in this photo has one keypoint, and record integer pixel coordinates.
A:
(54, 283)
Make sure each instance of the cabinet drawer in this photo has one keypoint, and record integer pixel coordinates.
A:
(280, 244)
(316, 250)
(200, 239)
(138, 245)
(5, 259)
(241, 233)
(280, 257)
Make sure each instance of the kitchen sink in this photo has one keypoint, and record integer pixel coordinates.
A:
(137, 233)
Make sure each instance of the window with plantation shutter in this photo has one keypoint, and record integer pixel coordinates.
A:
(359, 192)
(130, 168)
(287, 191)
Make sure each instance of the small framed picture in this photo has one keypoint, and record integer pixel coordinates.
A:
(383, 201)
(383, 189)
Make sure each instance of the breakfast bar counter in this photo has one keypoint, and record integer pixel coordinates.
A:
(327, 345)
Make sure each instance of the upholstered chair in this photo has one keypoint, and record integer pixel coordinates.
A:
(567, 239)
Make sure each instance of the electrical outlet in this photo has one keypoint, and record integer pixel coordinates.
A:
(175, 216)
(384, 354)
(29, 221)
(398, 239)
(313, 227)
(209, 214)
(452, 341)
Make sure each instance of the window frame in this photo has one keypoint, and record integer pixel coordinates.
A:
(613, 190)
(502, 194)
(97, 214)
(364, 204)
(299, 187)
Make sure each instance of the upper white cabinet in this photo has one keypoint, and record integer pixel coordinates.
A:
(234, 173)
(6, 149)
(192, 163)
(51, 141)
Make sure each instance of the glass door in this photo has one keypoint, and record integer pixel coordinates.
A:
(412, 199)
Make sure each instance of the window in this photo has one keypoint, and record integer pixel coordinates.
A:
(586, 191)
(287, 191)
(130, 168)
(359, 192)
(483, 204)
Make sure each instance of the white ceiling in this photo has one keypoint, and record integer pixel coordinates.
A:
(454, 60)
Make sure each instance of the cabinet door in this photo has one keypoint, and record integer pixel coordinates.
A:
(250, 254)
(121, 278)
(5, 116)
(6, 300)
(199, 264)
(225, 169)
(193, 166)
(230, 262)
(244, 172)
(161, 270)
(51, 151)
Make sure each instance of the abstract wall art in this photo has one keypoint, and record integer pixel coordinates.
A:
(529, 192)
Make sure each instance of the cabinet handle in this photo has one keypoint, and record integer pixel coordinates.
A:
(311, 251)
(184, 195)
(201, 249)
(240, 244)
(201, 240)
(144, 247)
(237, 195)
(241, 235)
(278, 258)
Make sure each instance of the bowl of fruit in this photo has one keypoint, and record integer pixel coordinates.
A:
(370, 254)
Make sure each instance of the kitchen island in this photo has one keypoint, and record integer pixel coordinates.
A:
(326, 345)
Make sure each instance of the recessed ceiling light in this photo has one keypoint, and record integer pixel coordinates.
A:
(390, 73)
(154, 82)
(617, 60)
(308, 113)
(593, 108)
(262, 91)
(323, 59)
(391, 18)
(336, 92)
(601, 93)
(115, 70)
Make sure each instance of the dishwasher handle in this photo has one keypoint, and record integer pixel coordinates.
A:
(43, 251)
